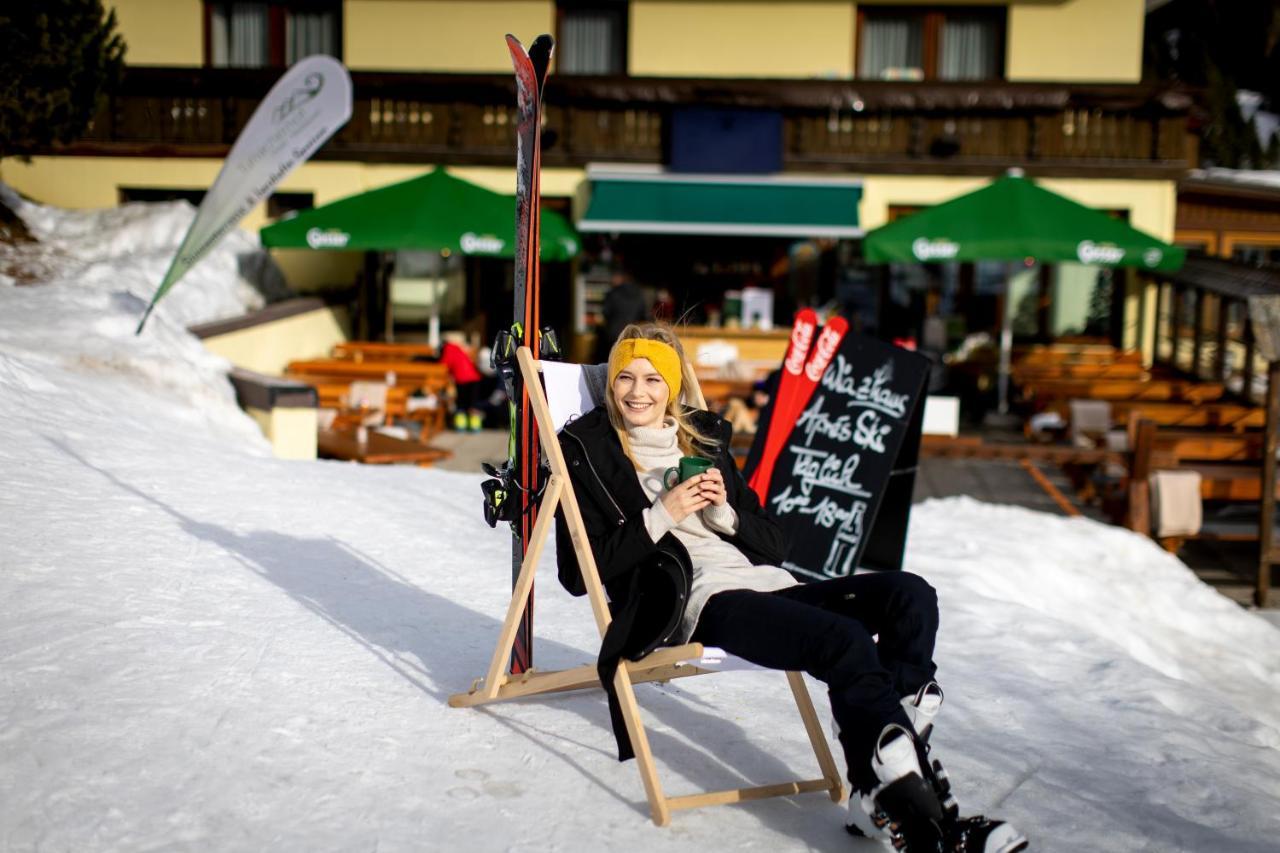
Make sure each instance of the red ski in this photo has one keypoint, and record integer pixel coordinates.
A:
(802, 370)
(531, 75)
(802, 332)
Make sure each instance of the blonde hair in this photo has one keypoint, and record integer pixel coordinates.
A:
(688, 437)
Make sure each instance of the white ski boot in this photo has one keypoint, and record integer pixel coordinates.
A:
(903, 809)
(922, 706)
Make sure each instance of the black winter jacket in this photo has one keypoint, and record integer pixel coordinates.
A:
(612, 503)
(648, 582)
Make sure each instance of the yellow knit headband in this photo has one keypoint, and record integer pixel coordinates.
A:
(662, 356)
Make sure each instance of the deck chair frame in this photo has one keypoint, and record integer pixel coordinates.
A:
(661, 665)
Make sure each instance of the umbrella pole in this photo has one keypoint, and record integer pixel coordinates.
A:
(1006, 341)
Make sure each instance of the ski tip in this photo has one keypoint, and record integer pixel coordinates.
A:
(540, 52)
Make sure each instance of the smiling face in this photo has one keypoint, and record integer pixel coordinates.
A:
(641, 394)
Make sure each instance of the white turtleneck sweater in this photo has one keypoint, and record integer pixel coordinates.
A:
(717, 564)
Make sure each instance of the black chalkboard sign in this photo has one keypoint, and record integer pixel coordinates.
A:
(841, 490)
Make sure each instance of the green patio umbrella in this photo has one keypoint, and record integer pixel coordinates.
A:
(435, 212)
(1011, 219)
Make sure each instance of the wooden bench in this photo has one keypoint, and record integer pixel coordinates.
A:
(377, 449)
(333, 393)
(1051, 354)
(1123, 370)
(1043, 391)
(377, 351)
(1221, 416)
(429, 376)
(1229, 465)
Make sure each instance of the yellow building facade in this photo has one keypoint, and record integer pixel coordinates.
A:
(1085, 41)
(1058, 42)
(1048, 40)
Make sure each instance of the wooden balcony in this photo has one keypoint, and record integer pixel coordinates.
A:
(846, 126)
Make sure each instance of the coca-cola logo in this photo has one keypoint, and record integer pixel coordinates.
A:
(318, 238)
(478, 244)
(801, 337)
(825, 349)
(934, 250)
(1090, 252)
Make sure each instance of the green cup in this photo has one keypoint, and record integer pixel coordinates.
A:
(690, 466)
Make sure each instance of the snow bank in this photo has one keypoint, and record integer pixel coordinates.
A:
(100, 270)
(127, 249)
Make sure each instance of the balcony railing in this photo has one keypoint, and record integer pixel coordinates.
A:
(956, 128)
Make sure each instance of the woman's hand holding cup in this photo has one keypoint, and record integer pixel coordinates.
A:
(712, 487)
(686, 498)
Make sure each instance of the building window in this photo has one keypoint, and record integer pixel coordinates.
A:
(262, 34)
(160, 194)
(591, 37)
(281, 205)
(906, 43)
(1257, 255)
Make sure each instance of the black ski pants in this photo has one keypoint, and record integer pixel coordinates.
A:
(828, 630)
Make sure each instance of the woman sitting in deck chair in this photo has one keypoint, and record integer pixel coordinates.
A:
(697, 560)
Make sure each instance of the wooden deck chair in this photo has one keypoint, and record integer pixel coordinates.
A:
(661, 665)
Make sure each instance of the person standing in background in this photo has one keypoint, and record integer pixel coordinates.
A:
(623, 305)
(466, 382)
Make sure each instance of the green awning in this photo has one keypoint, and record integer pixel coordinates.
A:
(659, 203)
(1012, 219)
(435, 211)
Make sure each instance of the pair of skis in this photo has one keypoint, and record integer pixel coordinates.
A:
(809, 353)
(520, 482)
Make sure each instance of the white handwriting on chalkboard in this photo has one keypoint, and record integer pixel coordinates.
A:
(814, 421)
(822, 469)
(869, 432)
(872, 391)
(827, 513)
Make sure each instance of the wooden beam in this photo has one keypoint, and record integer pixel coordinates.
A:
(1050, 489)
(742, 795)
(1267, 514)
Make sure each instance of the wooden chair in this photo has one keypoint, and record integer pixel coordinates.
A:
(661, 665)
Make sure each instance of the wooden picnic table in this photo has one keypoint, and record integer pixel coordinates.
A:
(1170, 390)
(378, 449)
(973, 447)
(1061, 353)
(420, 374)
(378, 351)
(1121, 370)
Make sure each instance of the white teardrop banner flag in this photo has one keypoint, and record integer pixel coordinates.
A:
(304, 108)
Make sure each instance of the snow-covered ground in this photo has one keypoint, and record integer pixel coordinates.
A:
(203, 647)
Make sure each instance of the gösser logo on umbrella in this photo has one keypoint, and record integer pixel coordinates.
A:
(475, 244)
(435, 211)
(320, 239)
(1090, 252)
(934, 250)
